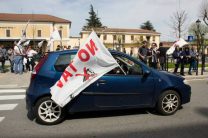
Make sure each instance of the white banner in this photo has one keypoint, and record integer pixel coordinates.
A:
(181, 42)
(40, 44)
(54, 36)
(91, 62)
(26, 43)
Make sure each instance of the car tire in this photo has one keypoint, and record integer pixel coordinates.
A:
(168, 103)
(48, 112)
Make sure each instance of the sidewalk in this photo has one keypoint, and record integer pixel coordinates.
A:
(11, 80)
(193, 76)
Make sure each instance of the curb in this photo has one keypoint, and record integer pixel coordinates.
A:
(12, 86)
(196, 77)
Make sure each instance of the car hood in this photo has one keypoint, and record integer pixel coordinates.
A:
(171, 75)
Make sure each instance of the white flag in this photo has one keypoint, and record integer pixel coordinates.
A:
(26, 43)
(40, 44)
(55, 35)
(23, 37)
(91, 62)
(181, 42)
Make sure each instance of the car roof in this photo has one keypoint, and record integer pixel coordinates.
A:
(75, 50)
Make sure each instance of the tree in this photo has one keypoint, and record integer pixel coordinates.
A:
(204, 11)
(177, 22)
(198, 32)
(147, 26)
(93, 21)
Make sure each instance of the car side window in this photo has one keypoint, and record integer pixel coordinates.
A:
(63, 61)
(128, 66)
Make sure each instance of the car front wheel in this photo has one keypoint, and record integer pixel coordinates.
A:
(168, 103)
(48, 112)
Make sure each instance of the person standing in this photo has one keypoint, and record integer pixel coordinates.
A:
(131, 51)
(143, 52)
(18, 59)
(124, 50)
(153, 60)
(30, 55)
(186, 58)
(10, 53)
(162, 56)
(177, 58)
(58, 48)
(3, 55)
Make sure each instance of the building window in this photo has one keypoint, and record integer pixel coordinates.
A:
(123, 38)
(141, 38)
(105, 37)
(8, 33)
(132, 38)
(60, 33)
(114, 37)
(153, 38)
(39, 33)
(98, 35)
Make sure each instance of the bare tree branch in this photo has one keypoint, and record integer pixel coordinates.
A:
(178, 21)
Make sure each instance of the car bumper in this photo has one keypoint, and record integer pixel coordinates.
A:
(186, 96)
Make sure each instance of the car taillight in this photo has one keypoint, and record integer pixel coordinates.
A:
(38, 67)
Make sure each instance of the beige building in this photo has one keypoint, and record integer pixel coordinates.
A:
(39, 28)
(119, 38)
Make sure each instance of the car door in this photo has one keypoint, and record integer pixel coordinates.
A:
(125, 86)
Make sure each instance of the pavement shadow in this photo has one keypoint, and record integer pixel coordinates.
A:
(202, 111)
(99, 114)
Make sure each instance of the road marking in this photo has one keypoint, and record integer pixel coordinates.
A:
(9, 86)
(12, 97)
(7, 106)
(1, 118)
(12, 90)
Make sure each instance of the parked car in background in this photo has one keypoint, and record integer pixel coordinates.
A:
(135, 86)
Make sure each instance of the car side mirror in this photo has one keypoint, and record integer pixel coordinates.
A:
(146, 73)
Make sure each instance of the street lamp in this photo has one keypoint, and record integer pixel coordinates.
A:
(198, 22)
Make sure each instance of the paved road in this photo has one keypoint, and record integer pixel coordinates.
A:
(191, 121)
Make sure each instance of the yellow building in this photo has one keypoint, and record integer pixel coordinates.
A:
(120, 39)
(39, 28)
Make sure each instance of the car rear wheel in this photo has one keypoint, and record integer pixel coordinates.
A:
(48, 112)
(168, 103)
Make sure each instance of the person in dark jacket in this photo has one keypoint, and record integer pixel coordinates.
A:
(3, 56)
(162, 56)
(186, 57)
(178, 58)
(193, 61)
(143, 52)
(153, 60)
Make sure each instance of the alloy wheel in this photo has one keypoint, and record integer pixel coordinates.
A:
(170, 103)
(49, 111)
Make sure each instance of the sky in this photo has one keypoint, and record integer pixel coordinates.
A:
(113, 13)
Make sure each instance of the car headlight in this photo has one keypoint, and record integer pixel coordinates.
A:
(185, 81)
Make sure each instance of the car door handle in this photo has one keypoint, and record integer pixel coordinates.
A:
(102, 81)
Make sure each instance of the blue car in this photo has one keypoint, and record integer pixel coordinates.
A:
(135, 86)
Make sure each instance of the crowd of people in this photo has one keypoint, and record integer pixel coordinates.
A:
(156, 57)
(21, 58)
(184, 56)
